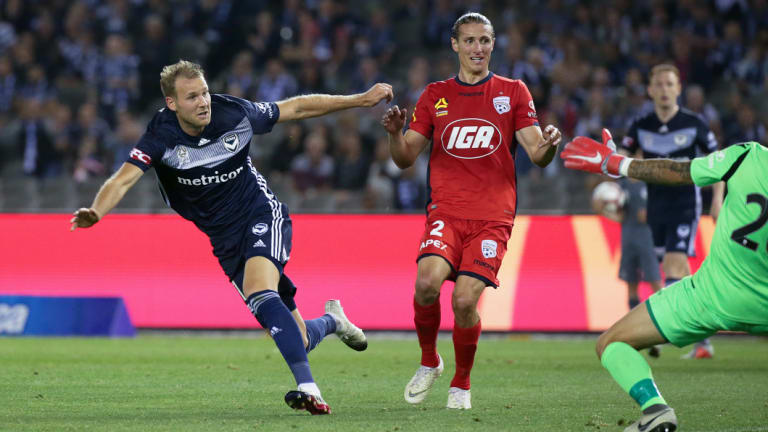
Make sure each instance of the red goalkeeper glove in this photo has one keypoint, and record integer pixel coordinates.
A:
(586, 154)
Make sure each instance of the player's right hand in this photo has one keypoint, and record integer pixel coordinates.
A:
(586, 154)
(83, 218)
(377, 93)
(394, 119)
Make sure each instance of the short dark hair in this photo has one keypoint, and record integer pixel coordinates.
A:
(470, 17)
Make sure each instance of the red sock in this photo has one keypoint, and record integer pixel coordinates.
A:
(427, 320)
(464, 345)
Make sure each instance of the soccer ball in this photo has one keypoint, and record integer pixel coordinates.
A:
(609, 196)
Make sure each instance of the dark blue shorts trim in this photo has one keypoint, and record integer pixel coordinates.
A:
(479, 277)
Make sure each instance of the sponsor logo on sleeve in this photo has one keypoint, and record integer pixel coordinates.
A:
(489, 248)
(501, 104)
(265, 108)
(532, 112)
(140, 156)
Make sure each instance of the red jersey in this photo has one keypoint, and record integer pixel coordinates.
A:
(472, 128)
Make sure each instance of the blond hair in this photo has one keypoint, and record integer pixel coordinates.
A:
(664, 67)
(182, 68)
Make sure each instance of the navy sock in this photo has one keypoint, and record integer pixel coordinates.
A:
(272, 314)
(318, 329)
(670, 281)
(633, 301)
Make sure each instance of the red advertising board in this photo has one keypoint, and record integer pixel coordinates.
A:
(559, 273)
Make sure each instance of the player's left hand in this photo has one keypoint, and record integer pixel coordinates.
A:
(586, 154)
(377, 93)
(552, 136)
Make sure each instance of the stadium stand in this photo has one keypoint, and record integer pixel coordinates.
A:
(78, 78)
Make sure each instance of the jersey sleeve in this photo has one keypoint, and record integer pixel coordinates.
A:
(525, 110)
(262, 115)
(421, 119)
(629, 142)
(147, 152)
(705, 139)
(719, 165)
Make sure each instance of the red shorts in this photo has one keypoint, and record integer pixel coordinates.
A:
(472, 247)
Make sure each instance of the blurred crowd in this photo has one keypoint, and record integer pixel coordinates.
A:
(79, 81)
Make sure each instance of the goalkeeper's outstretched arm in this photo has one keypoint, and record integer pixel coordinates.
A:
(586, 154)
(660, 171)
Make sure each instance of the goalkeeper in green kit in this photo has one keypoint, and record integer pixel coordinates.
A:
(730, 290)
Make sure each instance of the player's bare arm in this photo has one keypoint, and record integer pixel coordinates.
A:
(405, 148)
(315, 105)
(661, 171)
(540, 146)
(110, 193)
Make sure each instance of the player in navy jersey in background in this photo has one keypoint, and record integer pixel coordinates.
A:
(199, 146)
(673, 132)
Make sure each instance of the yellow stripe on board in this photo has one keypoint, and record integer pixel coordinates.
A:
(706, 231)
(605, 294)
(496, 305)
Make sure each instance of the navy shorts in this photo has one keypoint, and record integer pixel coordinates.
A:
(675, 235)
(267, 235)
(638, 263)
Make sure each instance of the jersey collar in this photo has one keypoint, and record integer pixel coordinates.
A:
(482, 81)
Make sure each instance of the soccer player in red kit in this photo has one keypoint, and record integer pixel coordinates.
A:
(474, 121)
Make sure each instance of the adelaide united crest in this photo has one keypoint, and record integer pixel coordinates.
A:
(501, 104)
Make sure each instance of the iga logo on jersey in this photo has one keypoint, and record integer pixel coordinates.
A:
(471, 138)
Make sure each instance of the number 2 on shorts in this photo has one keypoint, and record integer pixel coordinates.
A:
(438, 224)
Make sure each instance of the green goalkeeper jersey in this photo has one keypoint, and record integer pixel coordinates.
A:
(734, 277)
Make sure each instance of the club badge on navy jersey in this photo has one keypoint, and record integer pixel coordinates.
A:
(231, 142)
(501, 103)
(260, 228)
(681, 140)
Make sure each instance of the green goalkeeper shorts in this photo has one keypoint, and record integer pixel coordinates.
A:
(682, 317)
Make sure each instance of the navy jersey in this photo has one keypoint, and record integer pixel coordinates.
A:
(209, 179)
(684, 137)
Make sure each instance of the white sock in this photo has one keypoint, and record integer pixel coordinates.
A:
(310, 388)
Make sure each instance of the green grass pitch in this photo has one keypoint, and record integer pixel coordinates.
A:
(206, 383)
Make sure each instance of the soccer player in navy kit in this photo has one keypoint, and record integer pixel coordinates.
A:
(673, 211)
(205, 174)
